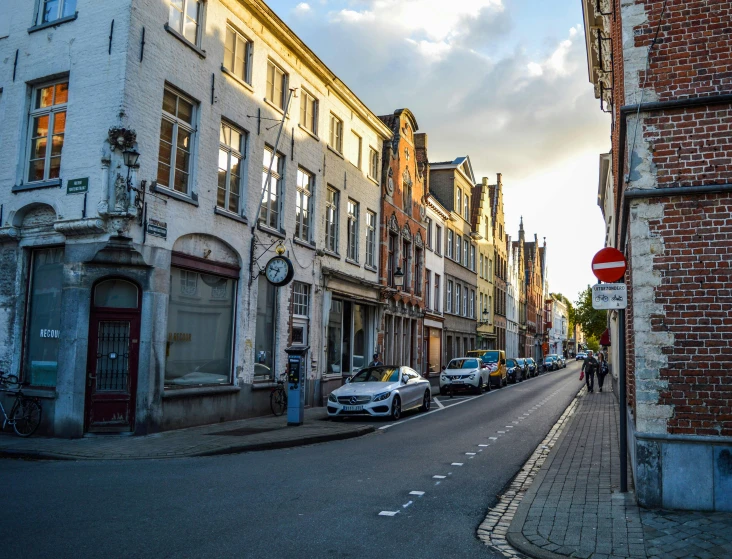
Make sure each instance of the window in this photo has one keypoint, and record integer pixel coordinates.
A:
(458, 289)
(459, 203)
(200, 328)
(437, 293)
(371, 239)
(335, 140)
(418, 271)
(471, 309)
(438, 239)
(266, 330)
(269, 215)
(465, 301)
(480, 267)
(276, 85)
(331, 220)
(308, 111)
(303, 205)
(407, 263)
(466, 207)
(51, 10)
(300, 299)
(44, 317)
(176, 142)
(356, 149)
(428, 225)
(472, 258)
(449, 243)
(458, 247)
(238, 55)
(352, 252)
(374, 164)
(466, 255)
(185, 18)
(391, 264)
(427, 288)
(232, 144)
(47, 124)
(448, 297)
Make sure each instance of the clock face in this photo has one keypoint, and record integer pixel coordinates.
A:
(277, 270)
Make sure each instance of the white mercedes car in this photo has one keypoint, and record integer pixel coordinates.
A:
(380, 391)
(465, 373)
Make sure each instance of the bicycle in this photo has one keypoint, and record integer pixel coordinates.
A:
(278, 396)
(25, 414)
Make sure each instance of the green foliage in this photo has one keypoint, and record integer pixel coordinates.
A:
(593, 343)
(593, 322)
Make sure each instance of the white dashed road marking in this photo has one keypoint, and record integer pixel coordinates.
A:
(484, 445)
(406, 505)
(388, 513)
(456, 464)
(470, 454)
(439, 477)
(417, 493)
(439, 404)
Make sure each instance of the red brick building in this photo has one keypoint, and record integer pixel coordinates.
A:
(663, 70)
(402, 241)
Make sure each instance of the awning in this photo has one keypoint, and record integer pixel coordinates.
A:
(605, 338)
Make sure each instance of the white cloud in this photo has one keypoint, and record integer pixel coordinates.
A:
(303, 8)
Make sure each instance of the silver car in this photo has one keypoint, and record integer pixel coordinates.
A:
(465, 373)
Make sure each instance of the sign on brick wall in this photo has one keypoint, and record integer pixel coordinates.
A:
(607, 296)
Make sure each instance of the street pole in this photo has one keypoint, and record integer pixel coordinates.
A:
(623, 405)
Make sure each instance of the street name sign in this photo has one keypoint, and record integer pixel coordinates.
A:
(77, 186)
(609, 265)
(606, 296)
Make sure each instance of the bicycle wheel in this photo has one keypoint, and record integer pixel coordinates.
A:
(278, 401)
(27, 417)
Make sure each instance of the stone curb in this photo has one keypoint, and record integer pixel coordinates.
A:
(230, 449)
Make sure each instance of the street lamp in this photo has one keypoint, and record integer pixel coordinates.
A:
(131, 156)
(485, 315)
(398, 278)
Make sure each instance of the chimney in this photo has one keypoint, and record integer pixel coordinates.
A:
(420, 141)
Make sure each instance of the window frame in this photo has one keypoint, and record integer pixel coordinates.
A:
(297, 305)
(241, 154)
(284, 80)
(302, 192)
(427, 288)
(428, 226)
(438, 239)
(448, 296)
(248, 54)
(178, 123)
(51, 111)
(437, 293)
(374, 164)
(333, 134)
(352, 244)
(184, 13)
(331, 240)
(61, 9)
(359, 143)
(371, 227)
(450, 242)
(278, 176)
(306, 97)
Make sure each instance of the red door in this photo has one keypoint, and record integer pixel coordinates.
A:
(114, 341)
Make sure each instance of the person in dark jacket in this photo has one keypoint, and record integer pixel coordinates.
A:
(602, 369)
(590, 366)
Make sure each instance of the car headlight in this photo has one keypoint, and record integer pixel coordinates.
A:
(443, 378)
(472, 376)
(381, 397)
(332, 398)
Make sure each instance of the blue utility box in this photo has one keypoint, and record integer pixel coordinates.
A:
(296, 375)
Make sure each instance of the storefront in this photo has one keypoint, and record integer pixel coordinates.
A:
(433, 349)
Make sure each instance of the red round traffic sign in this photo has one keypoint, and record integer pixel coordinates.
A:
(609, 265)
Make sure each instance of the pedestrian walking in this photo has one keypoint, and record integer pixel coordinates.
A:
(589, 367)
(602, 370)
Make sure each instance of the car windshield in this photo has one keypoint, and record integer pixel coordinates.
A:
(463, 364)
(377, 374)
(521, 362)
(490, 357)
(549, 358)
(510, 362)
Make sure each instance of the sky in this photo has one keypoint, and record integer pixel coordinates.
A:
(502, 81)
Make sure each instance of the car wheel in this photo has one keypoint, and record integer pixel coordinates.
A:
(396, 408)
(426, 401)
(479, 388)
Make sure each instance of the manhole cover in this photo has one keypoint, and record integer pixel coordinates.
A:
(244, 431)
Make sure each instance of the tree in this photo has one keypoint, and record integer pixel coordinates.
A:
(593, 343)
(593, 322)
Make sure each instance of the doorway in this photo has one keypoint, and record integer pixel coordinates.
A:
(114, 342)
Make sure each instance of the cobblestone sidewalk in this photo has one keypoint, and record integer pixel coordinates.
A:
(566, 503)
(262, 433)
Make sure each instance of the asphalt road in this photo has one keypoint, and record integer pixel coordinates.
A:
(349, 498)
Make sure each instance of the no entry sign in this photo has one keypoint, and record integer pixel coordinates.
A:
(609, 265)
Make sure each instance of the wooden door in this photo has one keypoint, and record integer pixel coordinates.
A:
(112, 364)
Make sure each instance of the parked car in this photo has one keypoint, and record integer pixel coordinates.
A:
(562, 361)
(495, 361)
(550, 363)
(514, 370)
(381, 391)
(581, 356)
(533, 367)
(465, 373)
(524, 367)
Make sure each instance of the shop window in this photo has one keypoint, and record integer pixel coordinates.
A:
(264, 341)
(349, 341)
(200, 328)
(44, 317)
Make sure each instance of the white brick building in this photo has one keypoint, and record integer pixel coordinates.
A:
(141, 317)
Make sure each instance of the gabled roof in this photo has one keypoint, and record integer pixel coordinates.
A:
(461, 163)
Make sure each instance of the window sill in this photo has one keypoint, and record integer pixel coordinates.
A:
(192, 199)
(237, 79)
(353, 262)
(336, 152)
(370, 268)
(53, 183)
(39, 392)
(281, 234)
(310, 245)
(175, 393)
(54, 23)
(373, 180)
(263, 385)
(231, 215)
(332, 254)
(275, 107)
(310, 133)
(200, 52)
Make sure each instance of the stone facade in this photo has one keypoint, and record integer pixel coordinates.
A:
(434, 335)
(500, 262)
(483, 227)
(671, 196)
